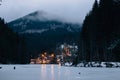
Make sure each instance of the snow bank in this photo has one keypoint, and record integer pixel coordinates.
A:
(99, 64)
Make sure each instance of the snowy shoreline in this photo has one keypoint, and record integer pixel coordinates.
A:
(85, 64)
(96, 64)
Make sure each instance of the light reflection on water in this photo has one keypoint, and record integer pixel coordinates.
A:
(43, 71)
(52, 72)
(56, 72)
(47, 71)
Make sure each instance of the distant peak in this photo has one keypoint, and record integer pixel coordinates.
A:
(42, 16)
(37, 13)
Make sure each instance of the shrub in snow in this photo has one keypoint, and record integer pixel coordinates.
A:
(108, 64)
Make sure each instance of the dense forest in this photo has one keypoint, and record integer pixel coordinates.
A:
(100, 35)
(11, 45)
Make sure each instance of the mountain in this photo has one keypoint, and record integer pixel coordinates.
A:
(43, 31)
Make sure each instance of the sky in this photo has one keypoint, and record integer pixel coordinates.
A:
(70, 10)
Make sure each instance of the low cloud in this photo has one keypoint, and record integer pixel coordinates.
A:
(69, 10)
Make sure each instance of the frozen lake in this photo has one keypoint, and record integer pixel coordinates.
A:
(56, 72)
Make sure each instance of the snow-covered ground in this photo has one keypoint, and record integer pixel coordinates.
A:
(56, 72)
(97, 64)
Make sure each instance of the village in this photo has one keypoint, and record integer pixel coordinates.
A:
(64, 53)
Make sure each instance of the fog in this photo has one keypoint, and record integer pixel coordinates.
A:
(69, 10)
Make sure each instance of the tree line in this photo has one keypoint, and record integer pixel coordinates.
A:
(100, 34)
(12, 46)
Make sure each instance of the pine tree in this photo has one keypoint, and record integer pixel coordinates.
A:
(9, 45)
(100, 30)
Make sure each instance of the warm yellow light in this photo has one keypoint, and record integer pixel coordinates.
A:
(44, 62)
(52, 55)
(45, 53)
(42, 55)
